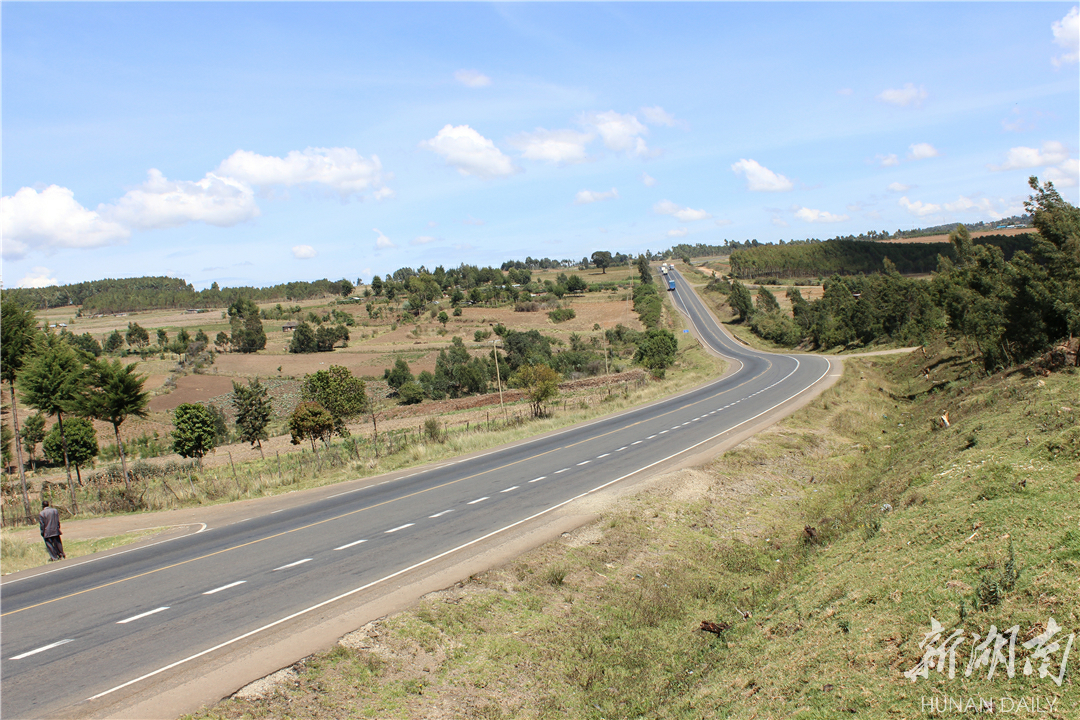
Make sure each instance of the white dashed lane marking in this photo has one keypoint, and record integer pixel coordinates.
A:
(510, 488)
(636, 442)
(561, 471)
(41, 649)
(224, 587)
(292, 564)
(479, 500)
(349, 545)
(399, 527)
(622, 448)
(586, 462)
(542, 477)
(440, 514)
(141, 616)
(599, 457)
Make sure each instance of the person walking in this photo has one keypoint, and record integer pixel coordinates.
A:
(49, 520)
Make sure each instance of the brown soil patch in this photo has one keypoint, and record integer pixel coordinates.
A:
(190, 389)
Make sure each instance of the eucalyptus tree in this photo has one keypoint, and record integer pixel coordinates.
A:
(113, 394)
(18, 329)
(253, 411)
(51, 384)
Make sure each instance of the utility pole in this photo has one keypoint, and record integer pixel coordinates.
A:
(498, 378)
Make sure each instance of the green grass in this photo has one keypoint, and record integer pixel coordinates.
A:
(973, 535)
(21, 554)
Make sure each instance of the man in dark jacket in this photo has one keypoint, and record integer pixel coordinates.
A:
(49, 520)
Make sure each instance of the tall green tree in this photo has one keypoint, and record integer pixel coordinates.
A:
(114, 342)
(115, 393)
(253, 411)
(33, 432)
(193, 432)
(602, 259)
(303, 339)
(248, 334)
(311, 420)
(137, 336)
(51, 384)
(18, 333)
(741, 300)
(338, 392)
(79, 439)
(398, 375)
(766, 301)
(644, 271)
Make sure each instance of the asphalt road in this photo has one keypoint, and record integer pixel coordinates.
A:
(81, 636)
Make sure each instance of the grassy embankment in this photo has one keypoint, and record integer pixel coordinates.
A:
(605, 623)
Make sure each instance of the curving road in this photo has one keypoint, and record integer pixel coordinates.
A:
(89, 638)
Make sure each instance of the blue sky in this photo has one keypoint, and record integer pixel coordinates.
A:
(251, 144)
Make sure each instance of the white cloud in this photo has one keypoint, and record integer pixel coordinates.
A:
(779, 222)
(342, 169)
(681, 232)
(621, 133)
(1051, 153)
(303, 252)
(422, 240)
(1067, 34)
(163, 203)
(1064, 175)
(472, 78)
(470, 152)
(907, 95)
(658, 116)
(982, 207)
(898, 187)
(558, 146)
(819, 216)
(922, 151)
(382, 242)
(889, 160)
(53, 219)
(685, 214)
(38, 278)
(584, 197)
(647, 179)
(759, 178)
(918, 207)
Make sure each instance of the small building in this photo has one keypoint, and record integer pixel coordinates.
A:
(289, 326)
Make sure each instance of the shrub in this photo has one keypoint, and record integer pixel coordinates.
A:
(562, 315)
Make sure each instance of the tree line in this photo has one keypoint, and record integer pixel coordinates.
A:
(1012, 307)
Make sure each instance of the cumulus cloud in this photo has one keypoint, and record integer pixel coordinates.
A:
(584, 197)
(470, 152)
(685, 214)
(983, 207)
(38, 278)
(382, 242)
(164, 203)
(53, 219)
(303, 252)
(1064, 175)
(759, 178)
(1067, 34)
(647, 179)
(342, 169)
(622, 133)
(898, 187)
(819, 216)
(557, 146)
(1051, 153)
(422, 240)
(905, 96)
(889, 160)
(681, 232)
(922, 151)
(658, 116)
(472, 78)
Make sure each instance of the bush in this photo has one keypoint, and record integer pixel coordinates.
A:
(562, 315)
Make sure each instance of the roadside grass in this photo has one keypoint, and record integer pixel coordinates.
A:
(821, 549)
(21, 554)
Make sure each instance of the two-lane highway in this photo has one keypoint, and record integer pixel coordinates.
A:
(81, 635)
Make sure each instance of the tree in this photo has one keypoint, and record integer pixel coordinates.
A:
(346, 287)
(162, 337)
(51, 384)
(221, 342)
(338, 392)
(137, 336)
(79, 444)
(18, 333)
(202, 337)
(33, 432)
(114, 342)
(398, 375)
(193, 434)
(740, 300)
(411, 393)
(444, 318)
(644, 271)
(312, 421)
(248, 334)
(766, 301)
(575, 284)
(602, 260)
(540, 384)
(253, 411)
(329, 335)
(115, 393)
(377, 285)
(656, 349)
(303, 339)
